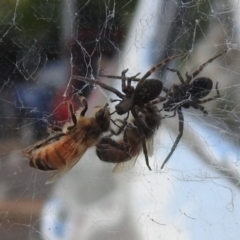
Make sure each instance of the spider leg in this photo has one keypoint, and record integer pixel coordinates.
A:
(156, 101)
(170, 116)
(160, 65)
(181, 126)
(120, 128)
(161, 99)
(194, 74)
(116, 133)
(129, 80)
(211, 98)
(146, 112)
(114, 122)
(178, 74)
(208, 99)
(115, 100)
(200, 107)
(143, 138)
(124, 87)
(113, 113)
(101, 84)
(145, 152)
(132, 78)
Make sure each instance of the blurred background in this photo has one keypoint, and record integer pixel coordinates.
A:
(43, 43)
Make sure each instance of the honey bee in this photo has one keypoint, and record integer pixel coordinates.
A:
(64, 148)
(125, 151)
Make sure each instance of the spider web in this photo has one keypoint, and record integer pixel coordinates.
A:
(43, 44)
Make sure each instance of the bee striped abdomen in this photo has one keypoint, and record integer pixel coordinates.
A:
(41, 164)
(55, 155)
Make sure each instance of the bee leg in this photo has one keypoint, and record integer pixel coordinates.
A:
(83, 101)
(51, 129)
(71, 113)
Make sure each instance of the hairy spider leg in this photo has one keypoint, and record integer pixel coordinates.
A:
(127, 89)
(101, 84)
(178, 74)
(160, 65)
(181, 126)
(211, 98)
(161, 99)
(196, 104)
(194, 74)
(149, 72)
(120, 77)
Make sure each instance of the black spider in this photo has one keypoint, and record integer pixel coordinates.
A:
(145, 91)
(188, 94)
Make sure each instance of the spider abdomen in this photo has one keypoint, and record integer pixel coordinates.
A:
(201, 87)
(147, 91)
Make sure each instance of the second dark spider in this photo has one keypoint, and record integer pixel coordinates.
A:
(188, 94)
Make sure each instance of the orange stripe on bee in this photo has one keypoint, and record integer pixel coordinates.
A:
(59, 155)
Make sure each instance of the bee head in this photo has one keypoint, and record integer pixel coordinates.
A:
(102, 116)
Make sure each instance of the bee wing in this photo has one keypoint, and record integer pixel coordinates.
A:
(27, 151)
(125, 166)
(59, 173)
